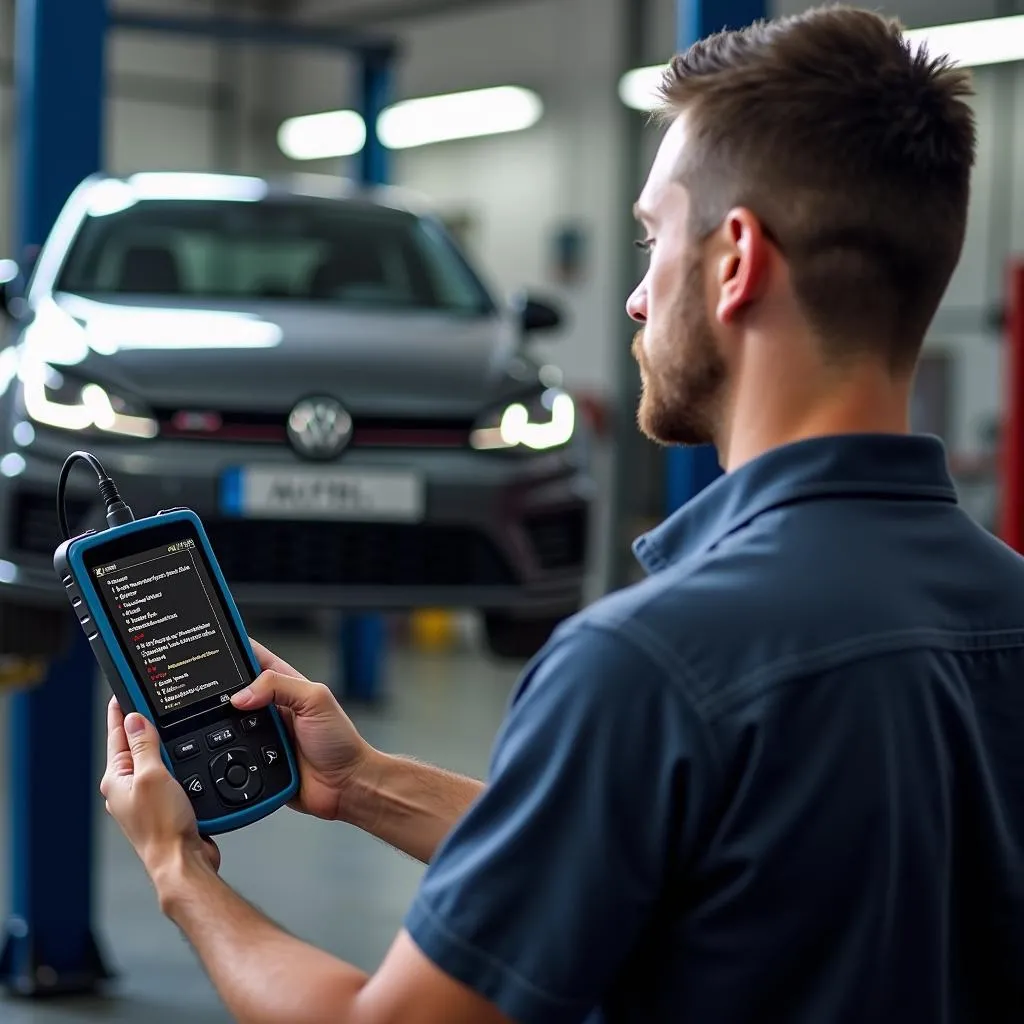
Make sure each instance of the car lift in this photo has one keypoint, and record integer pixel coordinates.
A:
(50, 945)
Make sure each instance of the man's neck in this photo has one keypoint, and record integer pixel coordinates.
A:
(863, 400)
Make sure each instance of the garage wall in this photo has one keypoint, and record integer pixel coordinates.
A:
(515, 192)
(174, 103)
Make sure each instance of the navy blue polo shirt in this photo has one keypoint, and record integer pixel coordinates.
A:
(781, 779)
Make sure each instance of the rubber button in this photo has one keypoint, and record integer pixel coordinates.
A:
(237, 775)
(220, 737)
(194, 787)
(185, 750)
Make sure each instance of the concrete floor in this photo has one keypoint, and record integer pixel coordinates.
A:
(330, 884)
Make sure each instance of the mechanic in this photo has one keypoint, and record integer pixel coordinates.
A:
(779, 779)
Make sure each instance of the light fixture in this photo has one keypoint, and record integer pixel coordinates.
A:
(12, 464)
(333, 133)
(544, 422)
(198, 185)
(974, 43)
(638, 89)
(24, 433)
(459, 115)
(967, 43)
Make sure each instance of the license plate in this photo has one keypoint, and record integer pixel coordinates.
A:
(314, 493)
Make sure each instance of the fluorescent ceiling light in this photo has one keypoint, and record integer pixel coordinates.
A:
(201, 185)
(461, 115)
(973, 43)
(967, 43)
(333, 133)
(638, 88)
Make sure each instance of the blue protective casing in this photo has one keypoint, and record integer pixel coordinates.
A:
(68, 561)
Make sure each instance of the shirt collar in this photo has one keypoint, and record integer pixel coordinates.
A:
(848, 465)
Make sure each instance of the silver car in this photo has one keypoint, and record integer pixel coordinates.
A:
(322, 377)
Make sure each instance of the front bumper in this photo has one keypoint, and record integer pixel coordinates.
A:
(499, 532)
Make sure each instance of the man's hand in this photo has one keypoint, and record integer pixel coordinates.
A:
(330, 752)
(154, 812)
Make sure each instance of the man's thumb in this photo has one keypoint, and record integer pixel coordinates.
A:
(275, 688)
(142, 739)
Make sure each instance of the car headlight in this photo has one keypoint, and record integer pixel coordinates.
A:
(545, 421)
(57, 399)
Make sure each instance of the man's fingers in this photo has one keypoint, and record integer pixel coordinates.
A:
(270, 662)
(300, 695)
(144, 743)
(117, 741)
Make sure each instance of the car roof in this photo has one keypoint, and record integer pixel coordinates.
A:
(202, 185)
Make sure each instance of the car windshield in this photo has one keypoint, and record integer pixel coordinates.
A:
(344, 253)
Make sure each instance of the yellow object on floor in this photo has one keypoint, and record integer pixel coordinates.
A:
(21, 673)
(433, 629)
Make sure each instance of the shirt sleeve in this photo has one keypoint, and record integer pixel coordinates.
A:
(539, 894)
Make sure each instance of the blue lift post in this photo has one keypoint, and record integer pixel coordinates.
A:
(49, 946)
(690, 470)
(360, 638)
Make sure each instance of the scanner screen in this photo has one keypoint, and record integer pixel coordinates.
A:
(167, 611)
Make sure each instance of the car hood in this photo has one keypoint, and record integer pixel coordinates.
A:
(268, 354)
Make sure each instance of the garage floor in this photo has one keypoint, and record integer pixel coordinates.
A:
(329, 884)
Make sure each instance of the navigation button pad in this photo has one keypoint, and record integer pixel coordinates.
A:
(232, 786)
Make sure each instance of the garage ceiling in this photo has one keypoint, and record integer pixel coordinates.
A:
(336, 13)
(367, 13)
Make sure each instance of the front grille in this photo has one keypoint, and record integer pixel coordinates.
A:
(559, 538)
(271, 428)
(403, 432)
(355, 554)
(34, 527)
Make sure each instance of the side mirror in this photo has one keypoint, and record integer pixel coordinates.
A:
(537, 315)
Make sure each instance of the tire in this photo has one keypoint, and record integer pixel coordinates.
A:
(516, 637)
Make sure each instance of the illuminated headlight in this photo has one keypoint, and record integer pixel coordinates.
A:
(544, 422)
(58, 400)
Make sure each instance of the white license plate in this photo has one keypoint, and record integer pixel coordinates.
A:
(314, 493)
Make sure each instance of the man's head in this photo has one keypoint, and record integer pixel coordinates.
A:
(812, 186)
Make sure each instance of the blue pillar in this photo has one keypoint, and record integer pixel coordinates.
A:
(49, 945)
(362, 638)
(690, 470)
(374, 94)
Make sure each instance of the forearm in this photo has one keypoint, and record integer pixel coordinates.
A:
(263, 975)
(409, 805)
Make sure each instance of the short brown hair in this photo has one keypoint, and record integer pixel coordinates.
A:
(853, 149)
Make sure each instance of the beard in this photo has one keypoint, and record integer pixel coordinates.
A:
(683, 384)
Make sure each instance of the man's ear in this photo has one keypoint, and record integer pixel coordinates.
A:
(740, 263)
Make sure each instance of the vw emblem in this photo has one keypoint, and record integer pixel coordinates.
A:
(319, 428)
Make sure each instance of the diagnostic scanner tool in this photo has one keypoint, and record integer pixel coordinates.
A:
(164, 628)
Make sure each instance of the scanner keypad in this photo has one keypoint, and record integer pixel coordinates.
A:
(245, 760)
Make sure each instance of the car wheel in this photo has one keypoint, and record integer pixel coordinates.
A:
(512, 636)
